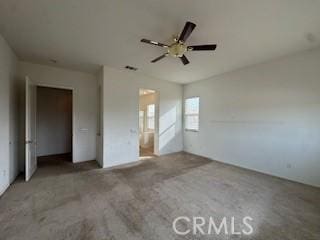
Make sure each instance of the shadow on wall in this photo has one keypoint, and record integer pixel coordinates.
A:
(167, 128)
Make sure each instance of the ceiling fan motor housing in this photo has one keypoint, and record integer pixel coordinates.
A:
(177, 49)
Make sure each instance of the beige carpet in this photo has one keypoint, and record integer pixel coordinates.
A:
(80, 201)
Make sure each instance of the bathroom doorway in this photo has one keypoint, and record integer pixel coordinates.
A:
(147, 122)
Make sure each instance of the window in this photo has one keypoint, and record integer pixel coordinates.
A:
(141, 120)
(191, 114)
(150, 116)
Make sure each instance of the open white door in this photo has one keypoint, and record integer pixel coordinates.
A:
(30, 141)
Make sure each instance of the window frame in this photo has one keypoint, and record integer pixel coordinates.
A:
(185, 115)
(142, 120)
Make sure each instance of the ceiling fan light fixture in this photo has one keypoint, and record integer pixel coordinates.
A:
(177, 49)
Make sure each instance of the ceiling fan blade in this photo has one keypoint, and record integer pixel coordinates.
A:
(159, 58)
(184, 60)
(153, 42)
(209, 47)
(187, 30)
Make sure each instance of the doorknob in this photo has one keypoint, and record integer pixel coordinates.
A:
(29, 142)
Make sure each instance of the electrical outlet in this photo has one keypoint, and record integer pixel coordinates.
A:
(4, 173)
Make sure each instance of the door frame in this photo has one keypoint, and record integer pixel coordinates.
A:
(156, 135)
(30, 140)
(72, 94)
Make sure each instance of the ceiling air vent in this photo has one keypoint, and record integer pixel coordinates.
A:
(131, 68)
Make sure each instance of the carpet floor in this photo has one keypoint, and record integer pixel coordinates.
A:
(81, 201)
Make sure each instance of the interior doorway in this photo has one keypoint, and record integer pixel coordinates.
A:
(148, 109)
(54, 123)
(48, 125)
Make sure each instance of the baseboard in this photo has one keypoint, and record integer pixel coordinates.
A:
(5, 187)
(123, 165)
(15, 176)
(256, 170)
(100, 165)
(55, 155)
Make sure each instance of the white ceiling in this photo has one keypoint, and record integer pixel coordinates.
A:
(84, 35)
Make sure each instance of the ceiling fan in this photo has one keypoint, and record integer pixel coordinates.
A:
(178, 48)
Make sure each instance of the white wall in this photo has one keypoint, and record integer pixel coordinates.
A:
(121, 115)
(54, 121)
(85, 90)
(8, 116)
(264, 117)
